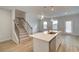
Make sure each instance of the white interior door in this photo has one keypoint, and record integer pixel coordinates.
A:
(68, 26)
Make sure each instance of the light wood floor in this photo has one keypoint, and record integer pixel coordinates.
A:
(69, 44)
(10, 46)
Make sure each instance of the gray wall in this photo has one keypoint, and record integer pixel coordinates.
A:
(33, 21)
(75, 23)
(40, 24)
(61, 23)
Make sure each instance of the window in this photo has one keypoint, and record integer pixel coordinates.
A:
(54, 24)
(45, 25)
(68, 28)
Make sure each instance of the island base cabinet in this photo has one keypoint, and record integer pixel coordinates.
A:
(59, 40)
(52, 45)
(47, 46)
(40, 45)
(44, 46)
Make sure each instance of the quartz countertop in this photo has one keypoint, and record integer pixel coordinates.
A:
(45, 36)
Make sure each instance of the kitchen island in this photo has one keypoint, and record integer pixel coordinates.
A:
(46, 41)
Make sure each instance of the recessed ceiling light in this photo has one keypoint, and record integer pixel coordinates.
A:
(42, 17)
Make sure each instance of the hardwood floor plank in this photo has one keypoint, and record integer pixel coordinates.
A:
(10, 46)
(70, 44)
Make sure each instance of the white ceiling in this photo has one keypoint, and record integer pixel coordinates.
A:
(46, 10)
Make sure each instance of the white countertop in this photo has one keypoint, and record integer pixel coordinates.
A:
(45, 36)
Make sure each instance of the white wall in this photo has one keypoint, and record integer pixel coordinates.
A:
(19, 13)
(33, 21)
(5, 25)
(14, 36)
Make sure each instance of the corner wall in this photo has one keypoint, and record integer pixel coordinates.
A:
(5, 25)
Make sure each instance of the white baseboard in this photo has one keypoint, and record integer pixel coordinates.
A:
(3, 40)
(71, 34)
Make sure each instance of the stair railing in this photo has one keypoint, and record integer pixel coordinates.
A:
(26, 25)
(16, 29)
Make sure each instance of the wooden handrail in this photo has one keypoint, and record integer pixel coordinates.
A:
(25, 22)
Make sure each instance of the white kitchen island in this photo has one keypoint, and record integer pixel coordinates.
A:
(46, 42)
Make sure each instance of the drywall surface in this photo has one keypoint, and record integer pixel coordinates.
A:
(75, 23)
(40, 24)
(14, 36)
(33, 21)
(5, 25)
(61, 23)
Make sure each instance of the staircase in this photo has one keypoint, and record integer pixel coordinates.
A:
(23, 34)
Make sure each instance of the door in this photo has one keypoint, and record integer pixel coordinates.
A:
(68, 27)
